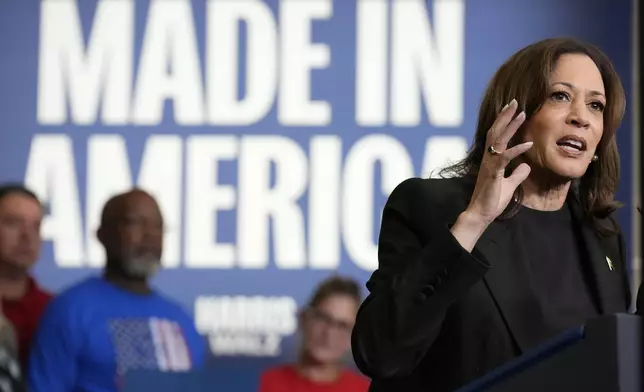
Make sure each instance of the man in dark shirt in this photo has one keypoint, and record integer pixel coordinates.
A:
(23, 302)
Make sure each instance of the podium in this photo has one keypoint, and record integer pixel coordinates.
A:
(603, 355)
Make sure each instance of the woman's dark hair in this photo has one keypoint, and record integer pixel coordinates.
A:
(526, 77)
(335, 285)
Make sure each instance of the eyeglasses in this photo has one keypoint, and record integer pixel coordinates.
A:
(321, 317)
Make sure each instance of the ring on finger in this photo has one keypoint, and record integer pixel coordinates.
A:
(494, 151)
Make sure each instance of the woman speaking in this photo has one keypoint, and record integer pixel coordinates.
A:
(516, 243)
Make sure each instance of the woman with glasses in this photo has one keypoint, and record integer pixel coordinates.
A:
(325, 325)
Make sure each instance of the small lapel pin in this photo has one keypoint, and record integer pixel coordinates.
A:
(610, 263)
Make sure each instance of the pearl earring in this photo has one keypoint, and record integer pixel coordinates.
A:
(595, 158)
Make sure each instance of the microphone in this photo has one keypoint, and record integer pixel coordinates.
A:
(639, 304)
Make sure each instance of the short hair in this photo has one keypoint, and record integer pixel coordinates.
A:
(335, 285)
(115, 202)
(525, 76)
(17, 189)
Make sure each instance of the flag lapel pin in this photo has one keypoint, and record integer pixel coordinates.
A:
(610, 263)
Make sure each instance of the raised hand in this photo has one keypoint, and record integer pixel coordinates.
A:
(493, 191)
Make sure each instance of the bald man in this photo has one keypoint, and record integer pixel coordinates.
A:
(96, 331)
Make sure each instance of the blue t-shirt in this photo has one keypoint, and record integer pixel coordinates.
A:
(95, 332)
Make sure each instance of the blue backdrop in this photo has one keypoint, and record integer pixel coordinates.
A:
(270, 131)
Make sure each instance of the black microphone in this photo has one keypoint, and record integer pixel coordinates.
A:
(640, 292)
(640, 301)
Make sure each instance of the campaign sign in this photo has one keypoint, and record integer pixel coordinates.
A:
(270, 132)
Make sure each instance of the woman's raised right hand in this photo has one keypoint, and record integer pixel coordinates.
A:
(493, 190)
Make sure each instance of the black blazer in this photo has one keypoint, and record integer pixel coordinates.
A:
(438, 316)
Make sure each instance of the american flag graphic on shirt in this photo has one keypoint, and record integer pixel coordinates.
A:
(149, 343)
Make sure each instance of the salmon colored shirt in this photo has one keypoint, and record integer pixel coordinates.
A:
(287, 379)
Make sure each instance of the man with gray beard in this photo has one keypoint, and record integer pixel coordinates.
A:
(96, 331)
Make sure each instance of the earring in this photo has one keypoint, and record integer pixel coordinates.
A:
(595, 158)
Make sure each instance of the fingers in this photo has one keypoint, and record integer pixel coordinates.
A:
(515, 151)
(509, 131)
(502, 121)
(519, 175)
(505, 127)
(500, 162)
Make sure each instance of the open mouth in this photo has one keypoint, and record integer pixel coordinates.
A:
(572, 144)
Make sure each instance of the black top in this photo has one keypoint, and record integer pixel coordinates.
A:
(550, 245)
